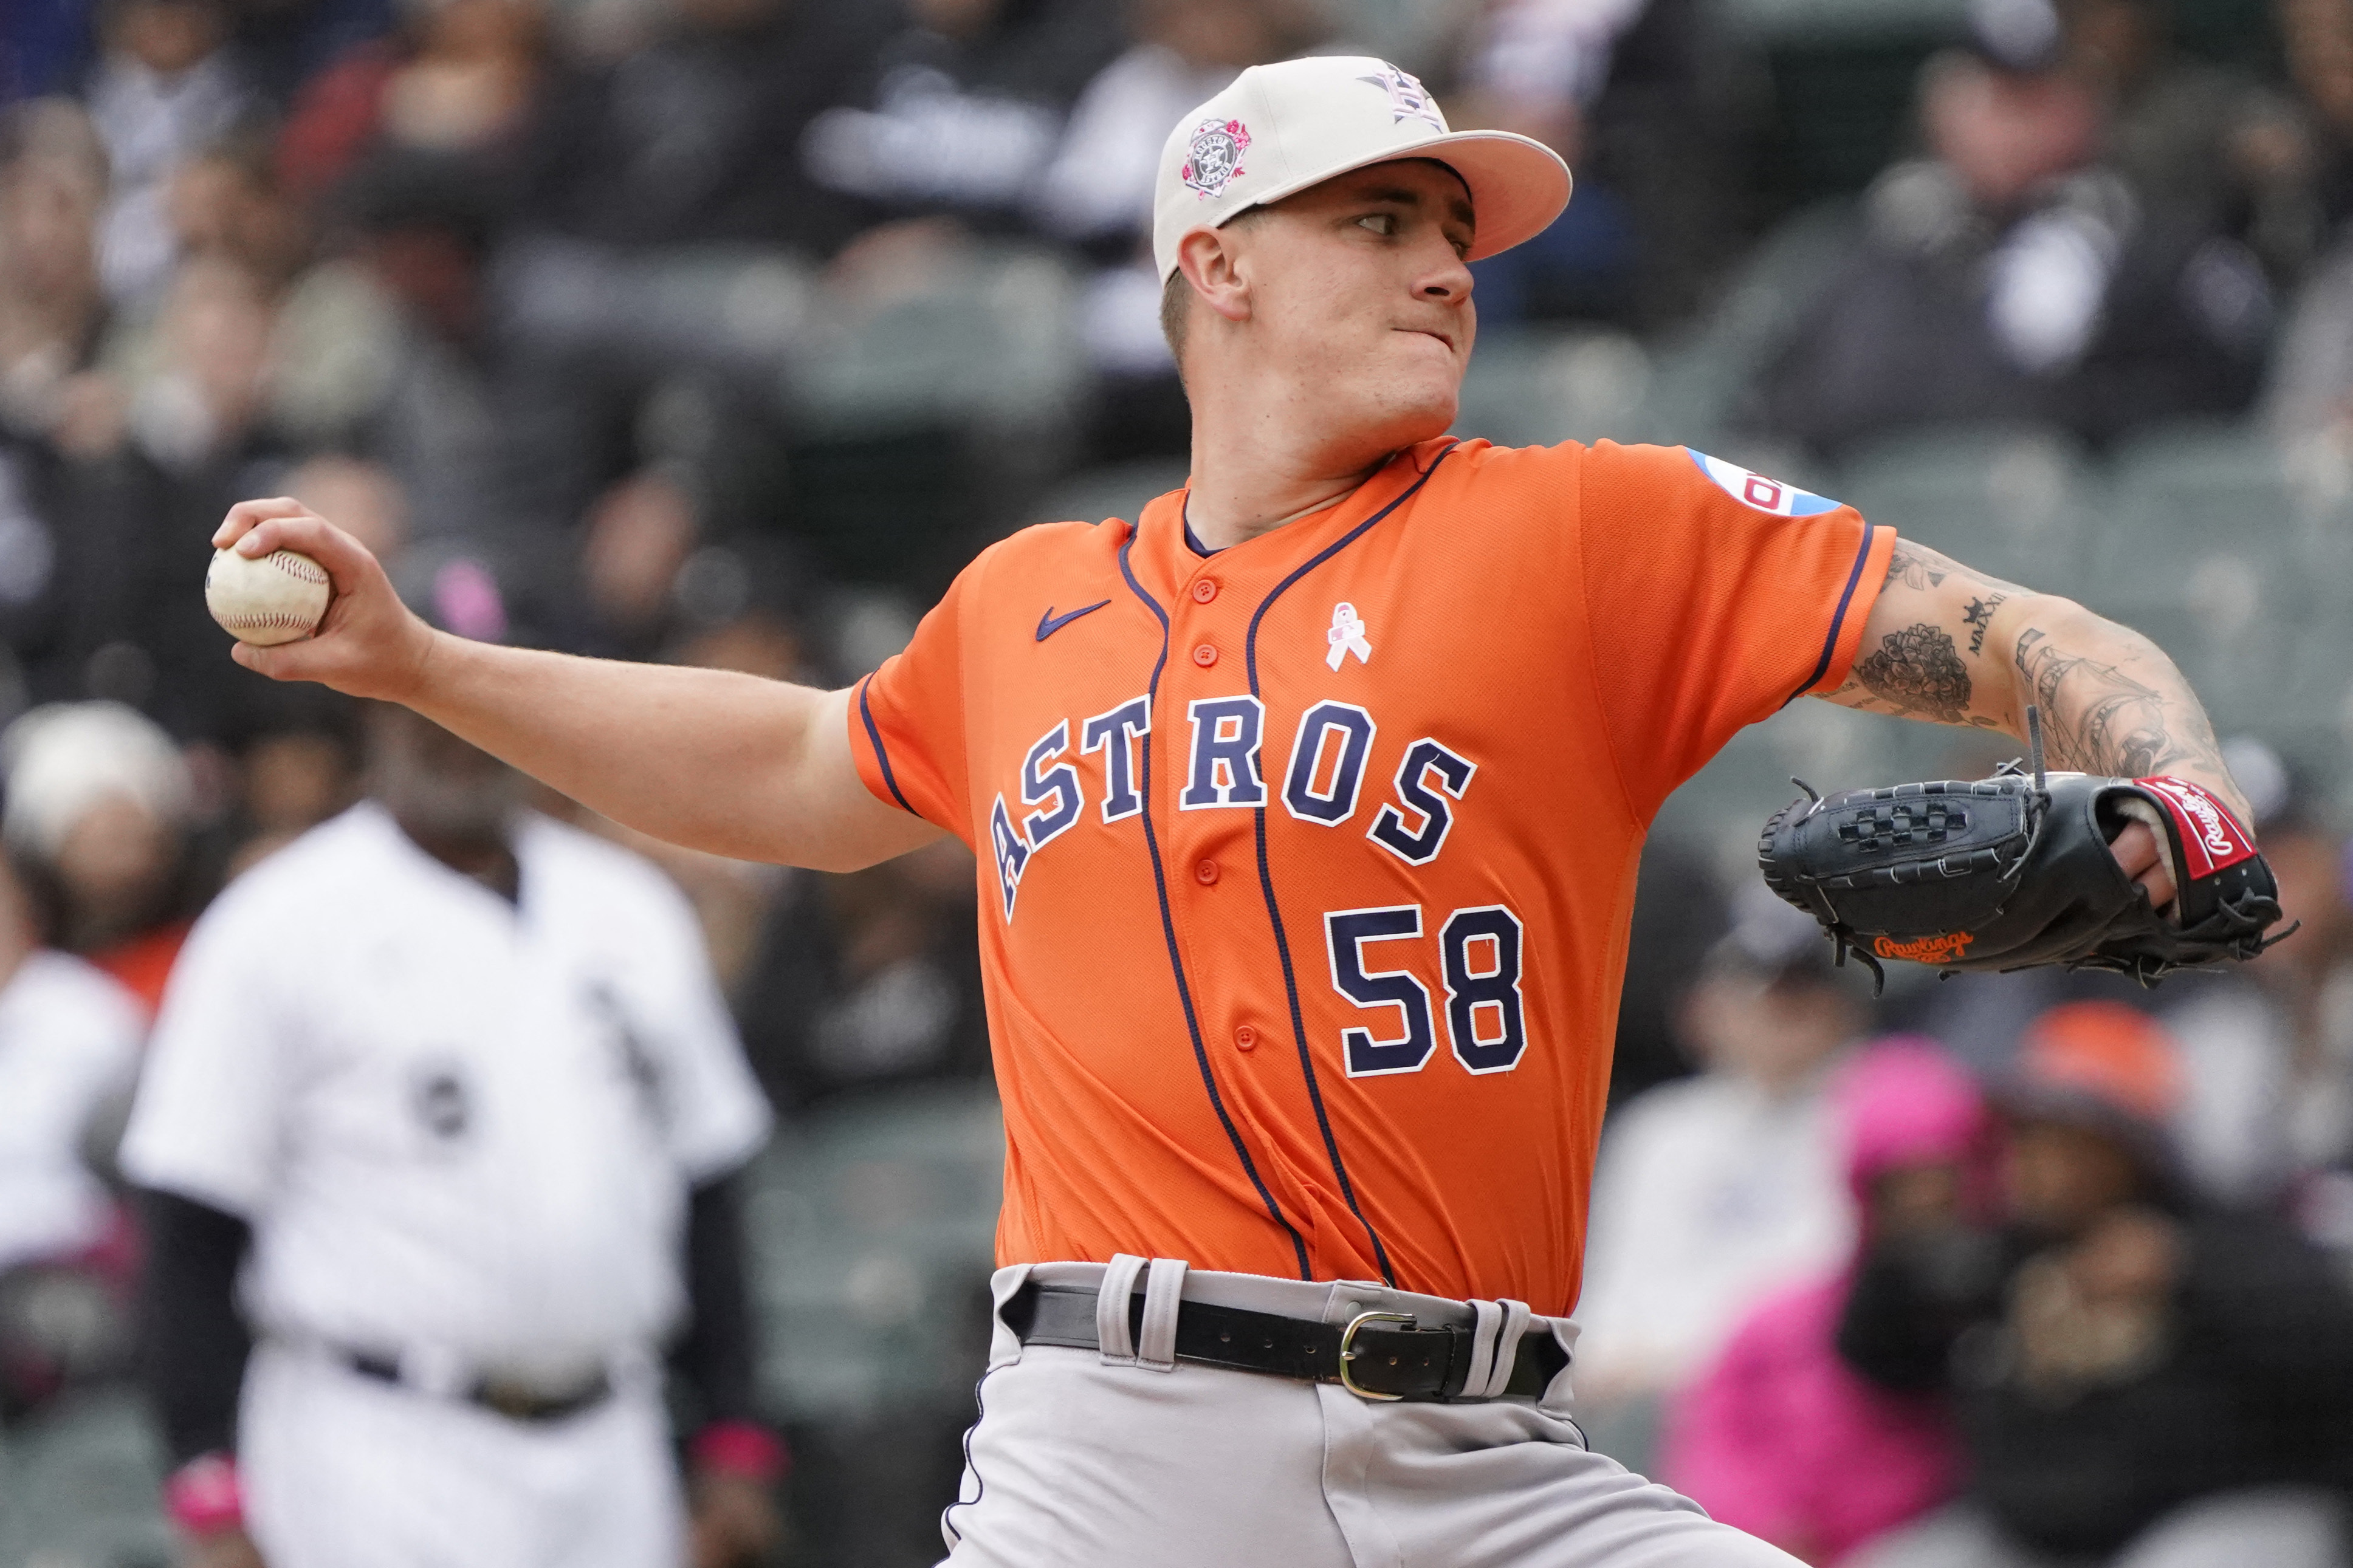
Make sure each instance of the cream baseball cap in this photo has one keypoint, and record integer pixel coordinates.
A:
(1280, 129)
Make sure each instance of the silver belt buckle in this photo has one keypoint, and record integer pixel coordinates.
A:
(1348, 1351)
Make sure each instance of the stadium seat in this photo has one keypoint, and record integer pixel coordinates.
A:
(2239, 567)
(1535, 386)
(874, 1228)
(991, 340)
(1843, 74)
(80, 1485)
(2186, 495)
(1698, 378)
(1120, 490)
(2012, 501)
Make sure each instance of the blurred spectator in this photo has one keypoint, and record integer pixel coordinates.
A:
(280, 44)
(126, 526)
(207, 403)
(2137, 1379)
(1097, 190)
(1781, 1437)
(165, 89)
(69, 1048)
(225, 201)
(1679, 914)
(365, 498)
(690, 139)
(639, 537)
(1537, 64)
(98, 802)
(459, 79)
(45, 48)
(294, 773)
(2012, 274)
(1097, 193)
(2309, 394)
(2316, 38)
(1539, 68)
(447, 1086)
(1714, 1192)
(2268, 1051)
(52, 309)
(868, 980)
(657, 283)
(2196, 141)
(963, 108)
(2311, 391)
(388, 354)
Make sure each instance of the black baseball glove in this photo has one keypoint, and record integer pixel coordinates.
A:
(2015, 871)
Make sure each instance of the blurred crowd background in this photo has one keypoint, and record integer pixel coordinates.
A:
(722, 331)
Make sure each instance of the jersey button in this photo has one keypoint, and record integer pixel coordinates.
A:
(1205, 656)
(1206, 873)
(1204, 590)
(1245, 1038)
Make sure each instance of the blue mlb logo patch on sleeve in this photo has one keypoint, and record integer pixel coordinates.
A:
(1757, 491)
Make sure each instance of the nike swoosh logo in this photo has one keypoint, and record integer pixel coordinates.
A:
(1049, 622)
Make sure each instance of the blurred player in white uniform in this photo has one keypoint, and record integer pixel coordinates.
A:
(68, 1049)
(444, 1095)
(69, 1045)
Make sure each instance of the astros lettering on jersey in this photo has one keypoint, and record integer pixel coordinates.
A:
(1306, 865)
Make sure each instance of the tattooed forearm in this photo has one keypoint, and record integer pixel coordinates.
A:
(1918, 671)
(1946, 643)
(2100, 719)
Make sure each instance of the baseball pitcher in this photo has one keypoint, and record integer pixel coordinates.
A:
(1307, 807)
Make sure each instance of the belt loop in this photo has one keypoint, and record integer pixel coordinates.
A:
(1515, 1315)
(1111, 1309)
(1163, 1291)
(1486, 1323)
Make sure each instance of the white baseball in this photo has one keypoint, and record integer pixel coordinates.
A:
(277, 598)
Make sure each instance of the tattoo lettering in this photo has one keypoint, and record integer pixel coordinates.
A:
(1919, 671)
(2099, 720)
(1980, 616)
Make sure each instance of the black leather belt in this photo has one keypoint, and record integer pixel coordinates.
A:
(1381, 1355)
(504, 1396)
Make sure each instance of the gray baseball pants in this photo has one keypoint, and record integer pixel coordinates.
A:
(1126, 1455)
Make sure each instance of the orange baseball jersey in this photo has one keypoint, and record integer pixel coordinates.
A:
(1305, 866)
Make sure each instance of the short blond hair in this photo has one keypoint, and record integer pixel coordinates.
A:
(1175, 294)
(1175, 307)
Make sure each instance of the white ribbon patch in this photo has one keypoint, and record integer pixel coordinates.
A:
(1346, 637)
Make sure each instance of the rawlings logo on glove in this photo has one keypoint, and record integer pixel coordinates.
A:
(2211, 835)
(2015, 871)
(1926, 950)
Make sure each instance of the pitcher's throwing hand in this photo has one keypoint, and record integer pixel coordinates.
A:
(368, 643)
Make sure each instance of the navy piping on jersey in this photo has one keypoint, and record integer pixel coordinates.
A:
(1266, 876)
(874, 733)
(1192, 540)
(1168, 929)
(1838, 621)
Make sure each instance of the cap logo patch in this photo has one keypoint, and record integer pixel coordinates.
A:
(1408, 99)
(1214, 156)
(1755, 489)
